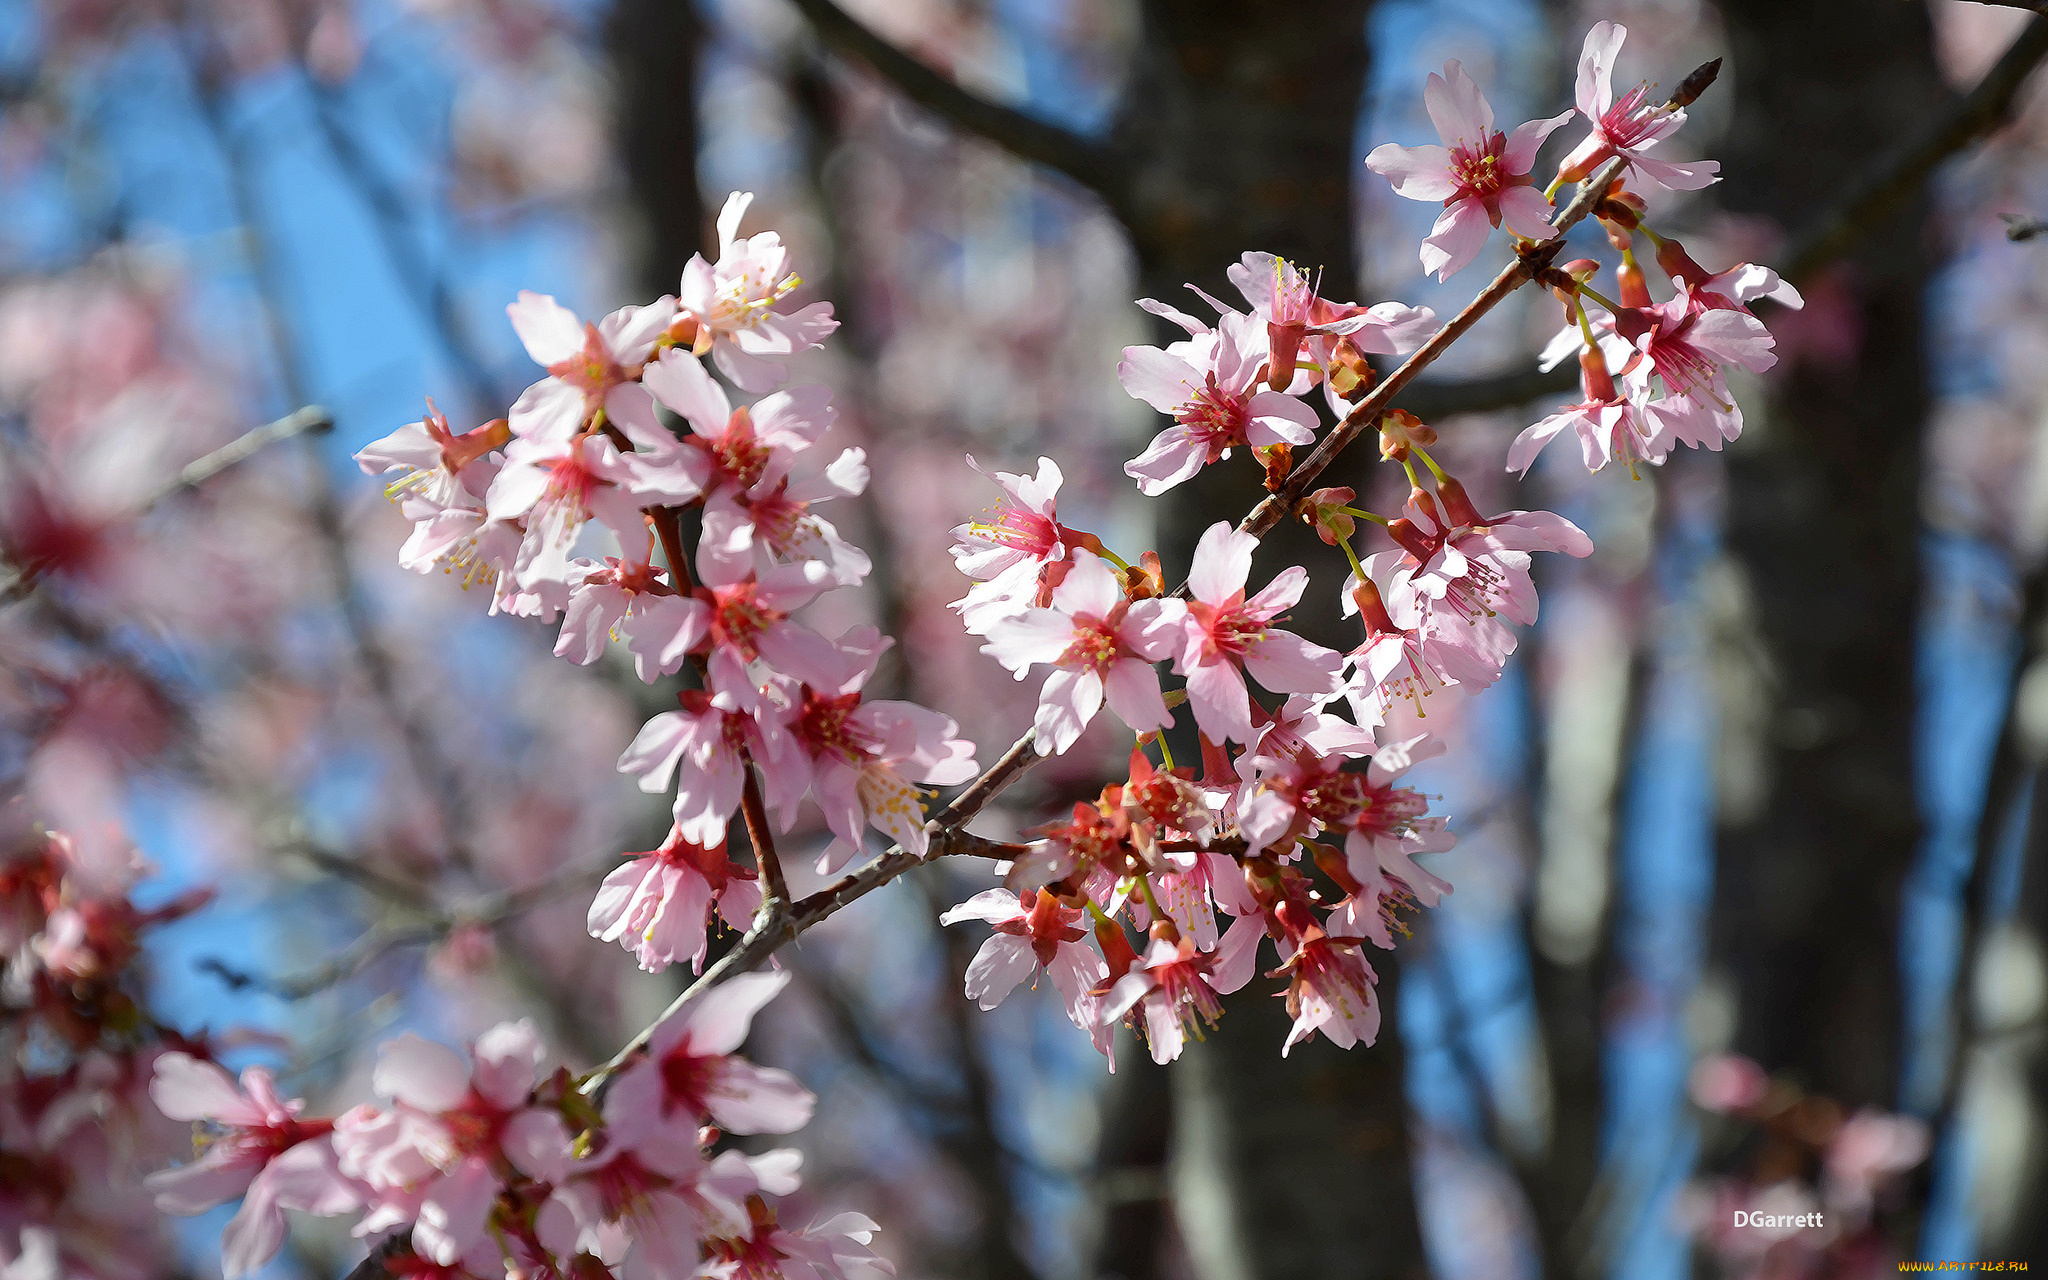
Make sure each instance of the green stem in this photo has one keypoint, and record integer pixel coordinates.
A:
(1357, 569)
(1601, 298)
(1408, 465)
(1165, 752)
(1428, 461)
(1373, 516)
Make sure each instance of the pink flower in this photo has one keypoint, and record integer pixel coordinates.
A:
(732, 304)
(1608, 424)
(866, 756)
(1207, 390)
(716, 731)
(1285, 298)
(438, 466)
(633, 601)
(264, 1153)
(591, 367)
(772, 522)
(440, 1155)
(1686, 347)
(745, 446)
(835, 1249)
(554, 486)
(1477, 566)
(1629, 126)
(1009, 552)
(1101, 647)
(1224, 630)
(1480, 173)
(1030, 934)
(657, 904)
(691, 1070)
(750, 615)
(1330, 989)
(1179, 985)
(649, 1191)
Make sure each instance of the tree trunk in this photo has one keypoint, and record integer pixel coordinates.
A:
(1237, 134)
(1823, 515)
(653, 46)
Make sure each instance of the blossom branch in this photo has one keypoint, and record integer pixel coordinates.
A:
(1022, 135)
(946, 830)
(1528, 262)
(762, 837)
(310, 419)
(1868, 200)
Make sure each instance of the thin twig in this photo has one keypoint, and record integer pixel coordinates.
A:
(1026, 137)
(762, 838)
(313, 420)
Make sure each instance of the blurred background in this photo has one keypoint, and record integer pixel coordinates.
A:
(1750, 890)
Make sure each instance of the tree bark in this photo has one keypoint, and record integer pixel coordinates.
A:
(1236, 133)
(654, 45)
(1823, 515)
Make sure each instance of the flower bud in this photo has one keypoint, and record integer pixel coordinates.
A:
(1399, 429)
(1458, 505)
(1679, 265)
(1594, 378)
(1372, 609)
(1324, 512)
(1634, 286)
(1278, 459)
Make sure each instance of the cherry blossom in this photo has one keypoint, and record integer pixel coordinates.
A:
(1330, 989)
(729, 305)
(1031, 933)
(1207, 391)
(631, 601)
(1479, 173)
(1101, 646)
(1224, 632)
(438, 1156)
(657, 904)
(690, 1069)
(1009, 553)
(591, 367)
(1286, 299)
(264, 1153)
(716, 730)
(866, 756)
(1608, 423)
(1179, 985)
(436, 465)
(1627, 126)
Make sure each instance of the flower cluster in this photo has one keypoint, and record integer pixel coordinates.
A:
(498, 1167)
(76, 1050)
(1290, 825)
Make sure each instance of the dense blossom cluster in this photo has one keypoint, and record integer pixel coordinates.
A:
(499, 1165)
(77, 1132)
(1289, 828)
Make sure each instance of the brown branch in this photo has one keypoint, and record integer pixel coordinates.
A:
(762, 837)
(1024, 136)
(1885, 184)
